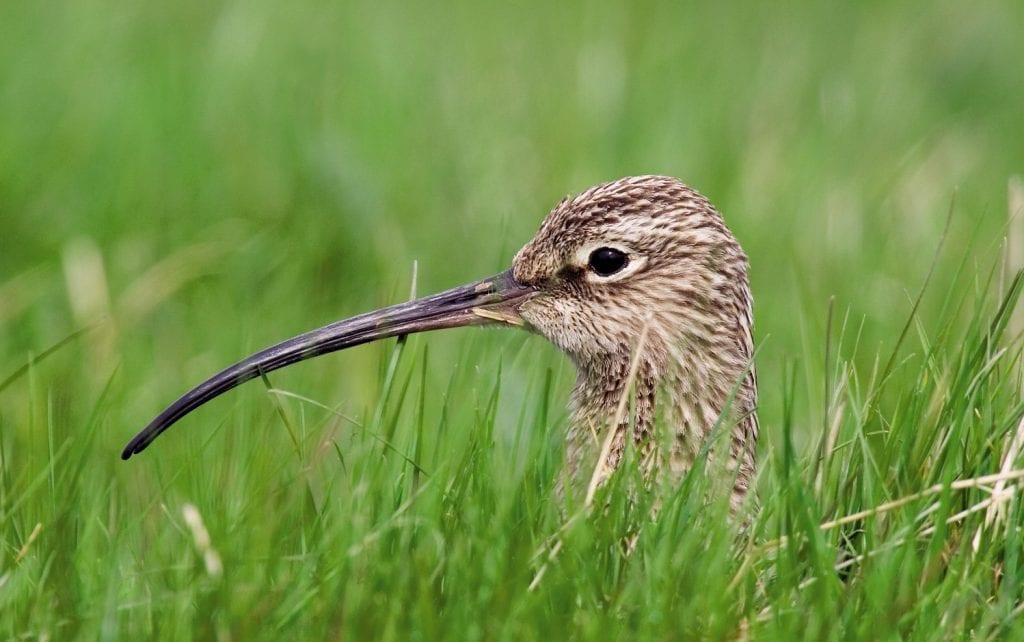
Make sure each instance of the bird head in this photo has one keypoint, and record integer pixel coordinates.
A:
(642, 252)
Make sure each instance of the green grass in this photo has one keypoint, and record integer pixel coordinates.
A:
(185, 183)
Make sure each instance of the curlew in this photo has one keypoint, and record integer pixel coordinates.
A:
(640, 283)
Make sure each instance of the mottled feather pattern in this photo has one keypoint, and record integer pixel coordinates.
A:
(687, 283)
(641, 283)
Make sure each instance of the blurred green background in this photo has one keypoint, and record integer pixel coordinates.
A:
(211, 177)
(202, 179)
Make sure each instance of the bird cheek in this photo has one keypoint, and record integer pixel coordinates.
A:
(555, 319)
(537, 312)
(534, 312)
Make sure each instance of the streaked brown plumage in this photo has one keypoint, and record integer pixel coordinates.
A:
(687, 281)
(641, 256)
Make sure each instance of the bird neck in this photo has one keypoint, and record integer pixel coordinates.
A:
(682, 397)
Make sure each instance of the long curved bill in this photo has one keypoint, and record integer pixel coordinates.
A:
(493, 300)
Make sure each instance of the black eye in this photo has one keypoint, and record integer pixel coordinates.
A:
(606, 261)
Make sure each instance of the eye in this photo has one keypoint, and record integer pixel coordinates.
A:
(606, 261)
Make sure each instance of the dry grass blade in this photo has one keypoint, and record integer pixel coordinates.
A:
(960, 484)
(601, 469)
(996, 512)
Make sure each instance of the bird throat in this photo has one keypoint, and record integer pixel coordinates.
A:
(667, 414)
